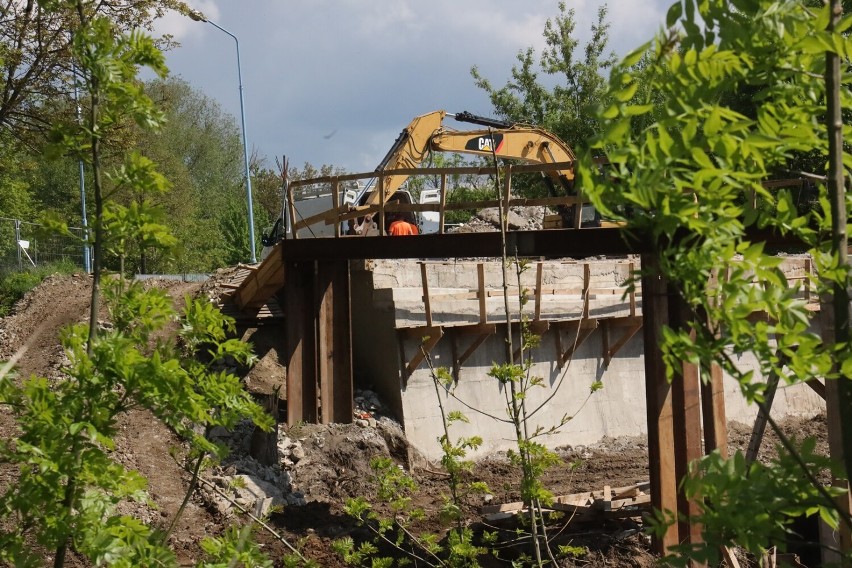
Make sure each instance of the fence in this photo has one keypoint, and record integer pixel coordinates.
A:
(24, 244)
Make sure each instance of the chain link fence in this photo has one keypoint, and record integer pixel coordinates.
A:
(24, 245)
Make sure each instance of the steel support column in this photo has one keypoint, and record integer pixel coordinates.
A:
(319, 342)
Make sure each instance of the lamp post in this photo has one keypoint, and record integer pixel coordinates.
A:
(198, 17)
(87, 260)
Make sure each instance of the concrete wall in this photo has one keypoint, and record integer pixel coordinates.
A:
(388, 295)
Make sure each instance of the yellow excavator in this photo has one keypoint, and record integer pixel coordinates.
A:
(500, 139)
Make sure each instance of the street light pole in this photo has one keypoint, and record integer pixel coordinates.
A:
(198, 17)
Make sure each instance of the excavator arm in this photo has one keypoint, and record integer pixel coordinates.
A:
(501, 139)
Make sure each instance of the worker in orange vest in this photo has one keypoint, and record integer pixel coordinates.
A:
(400, 226)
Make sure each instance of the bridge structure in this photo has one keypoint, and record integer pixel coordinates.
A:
(311, 280)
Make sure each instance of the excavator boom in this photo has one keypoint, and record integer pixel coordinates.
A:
(501, 139)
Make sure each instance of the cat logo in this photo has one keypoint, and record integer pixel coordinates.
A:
(485, 143)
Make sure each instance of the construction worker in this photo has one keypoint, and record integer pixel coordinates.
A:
(399, 226)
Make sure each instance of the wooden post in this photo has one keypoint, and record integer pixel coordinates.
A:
(441, 213)
(539, 268)
(319, 342)
(301, 343)
(713, 409)
(335, 198)
(291, 207)
(334, 368)
(427, 302)
(480, 292)
(507, 195)
(658, 393)
(686, 406)
(842, 538)
(384, 199)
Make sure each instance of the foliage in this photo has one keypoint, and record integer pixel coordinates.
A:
(15, 200)
(64, 452)
(395, 532)
(464, 194)
(199, 149)
(15, 284)
(36, 57)
(691, 178)
(580, 82)
(235, 547)
(67, 428)
(749, 503)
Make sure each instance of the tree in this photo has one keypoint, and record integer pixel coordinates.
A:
(692, 179)
(198, 148)
(580, 82)
(36, 66)
(567, 108)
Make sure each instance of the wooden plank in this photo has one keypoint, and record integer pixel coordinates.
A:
(503, 508)
(443, 204)
(575, 499)
(477, 329)
(729, 558)
(480, 279)
(686, 406)
(759, 426)
(539, 271)
(630, 270)
(817, 386)
(335, 343)
(300, 344)
(423, 349)
(658, 394)
(420, 332)
(583, 333)
(507, 195)
(335, 197)
(262, 281)
(426, 301)
(475, 344)
(611, 351)
(713, 412)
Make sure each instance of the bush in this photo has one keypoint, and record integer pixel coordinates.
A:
(14, 284)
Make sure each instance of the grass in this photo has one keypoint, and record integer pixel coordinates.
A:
(15, 284)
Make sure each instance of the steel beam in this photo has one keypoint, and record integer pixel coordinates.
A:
(319, 342)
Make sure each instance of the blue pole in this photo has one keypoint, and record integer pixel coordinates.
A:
(86, 257)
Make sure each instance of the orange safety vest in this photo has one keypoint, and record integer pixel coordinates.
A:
(398, 228)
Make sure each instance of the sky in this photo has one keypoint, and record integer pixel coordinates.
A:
(335, 81)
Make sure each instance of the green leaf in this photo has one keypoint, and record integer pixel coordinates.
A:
(673, 15)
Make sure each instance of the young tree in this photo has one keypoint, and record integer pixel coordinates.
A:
(692, 179)
(580, 82)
